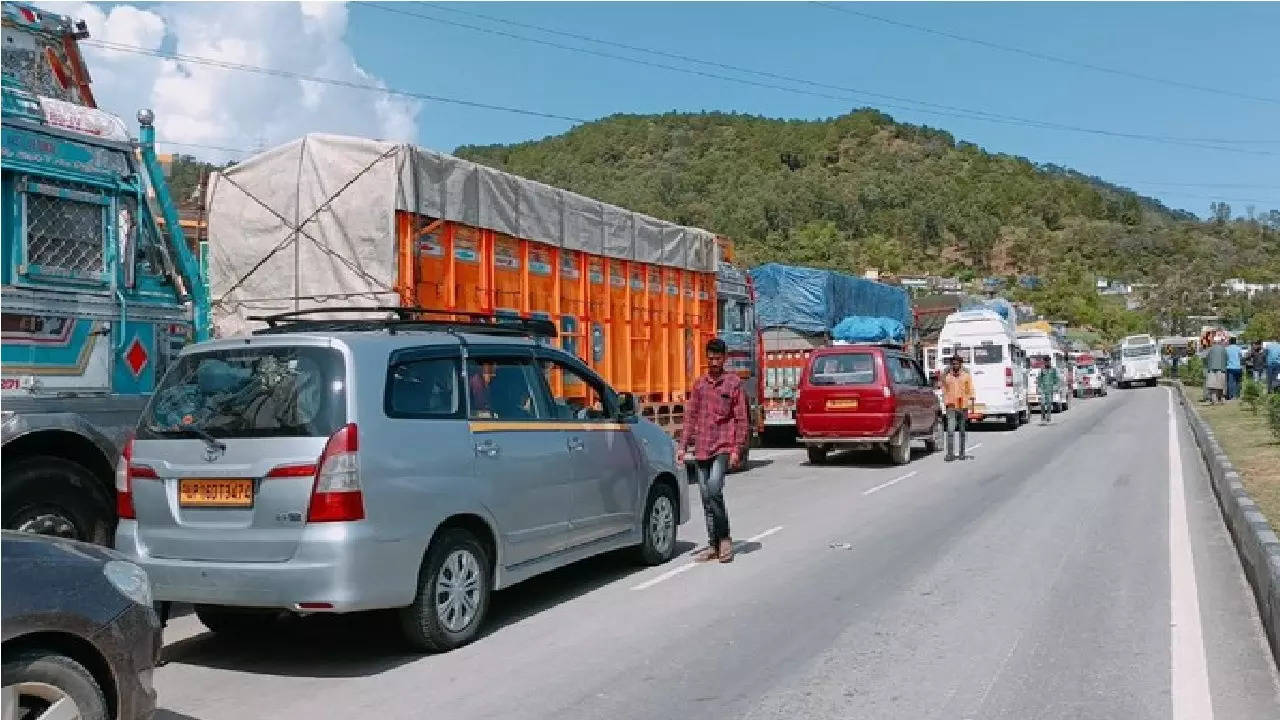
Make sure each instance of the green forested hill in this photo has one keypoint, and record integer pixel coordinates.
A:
(862, 191)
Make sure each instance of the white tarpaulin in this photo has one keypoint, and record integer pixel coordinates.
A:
(312, 223)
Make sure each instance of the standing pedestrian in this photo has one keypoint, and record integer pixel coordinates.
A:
(1273, 366)
(715, 424)
(1258, 362)
(1047, 385)
(1215, 375)
(958, 395)
(1235, 369)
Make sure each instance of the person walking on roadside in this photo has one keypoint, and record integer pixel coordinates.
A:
(1235, 369)
(1215, 372)
(715, 424)
(1047, 385)
(957, 393)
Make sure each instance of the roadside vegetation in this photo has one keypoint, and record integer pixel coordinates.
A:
(1249, 430)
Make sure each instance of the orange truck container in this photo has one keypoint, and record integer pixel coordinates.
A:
(640, 325)
(328, 220)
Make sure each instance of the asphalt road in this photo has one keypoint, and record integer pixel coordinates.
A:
(1050, 576)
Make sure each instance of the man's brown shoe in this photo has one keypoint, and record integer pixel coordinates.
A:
(726, 550)
(707, 555)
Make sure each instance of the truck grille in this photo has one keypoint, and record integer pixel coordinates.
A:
(64, 233)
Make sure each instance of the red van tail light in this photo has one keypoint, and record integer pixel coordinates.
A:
(126, 471)
(336, 495)
(1008, 377)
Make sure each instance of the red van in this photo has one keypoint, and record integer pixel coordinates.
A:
(855, 396)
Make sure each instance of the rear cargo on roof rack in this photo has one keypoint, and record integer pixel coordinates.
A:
(332, 221)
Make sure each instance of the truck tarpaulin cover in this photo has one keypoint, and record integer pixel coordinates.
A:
(813, 301)
(860, 329)
(314, 221)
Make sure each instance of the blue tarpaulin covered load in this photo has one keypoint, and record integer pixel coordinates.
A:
(862, 329)
(813, 301)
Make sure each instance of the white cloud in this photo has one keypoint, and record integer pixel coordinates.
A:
(196, 103)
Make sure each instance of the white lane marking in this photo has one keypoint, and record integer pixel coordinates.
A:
(894, 481)
(1188, 667)
(975, 447)
(665, 576)
(689, 566)
(763, 535)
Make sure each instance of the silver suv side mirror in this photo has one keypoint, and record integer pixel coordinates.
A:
(627, 406)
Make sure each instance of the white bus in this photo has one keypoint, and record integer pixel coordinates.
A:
(1137, 361)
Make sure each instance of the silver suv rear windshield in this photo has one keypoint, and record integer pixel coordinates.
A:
(844, 369)
(250, 392)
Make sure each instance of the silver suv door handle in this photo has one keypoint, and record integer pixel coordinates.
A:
(576, 444)
(487, 448)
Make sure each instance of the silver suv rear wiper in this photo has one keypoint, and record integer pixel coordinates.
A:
(204, 435)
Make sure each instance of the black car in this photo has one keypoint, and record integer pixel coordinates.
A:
(80, 635)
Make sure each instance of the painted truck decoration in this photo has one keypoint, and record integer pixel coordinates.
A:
(97, 300)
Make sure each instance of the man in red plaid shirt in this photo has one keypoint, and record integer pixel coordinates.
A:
(715, 423)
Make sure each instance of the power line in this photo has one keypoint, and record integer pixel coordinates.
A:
(1043, 56)
(228, 65)
(203, 147)
(953, 111)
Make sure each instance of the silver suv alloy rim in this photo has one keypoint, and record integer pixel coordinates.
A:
(662, 523)
(56, 704)
(458, 590)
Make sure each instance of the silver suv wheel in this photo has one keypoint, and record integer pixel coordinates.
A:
(458, 590)
(662, 524)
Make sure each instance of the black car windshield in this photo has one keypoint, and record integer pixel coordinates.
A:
(250, 392)
(988, 354)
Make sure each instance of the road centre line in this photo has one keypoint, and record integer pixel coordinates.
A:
(1188, 665)
(894, 481)
(689, 566)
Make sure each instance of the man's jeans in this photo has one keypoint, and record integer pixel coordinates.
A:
(1046, 407)
(957, 421)
(1233, 383)
(711, 483)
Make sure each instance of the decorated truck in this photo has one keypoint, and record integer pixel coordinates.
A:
(333, 221)
(97, 299)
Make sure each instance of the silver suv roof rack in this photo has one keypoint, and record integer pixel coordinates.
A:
(404, 318)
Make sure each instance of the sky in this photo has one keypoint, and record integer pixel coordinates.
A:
(1215, 143)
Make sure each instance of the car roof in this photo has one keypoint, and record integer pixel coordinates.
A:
(843, 349)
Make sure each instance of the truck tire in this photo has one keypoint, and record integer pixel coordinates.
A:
(53, 496)
(817, 454)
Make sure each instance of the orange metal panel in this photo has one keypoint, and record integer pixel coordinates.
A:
(640, 326)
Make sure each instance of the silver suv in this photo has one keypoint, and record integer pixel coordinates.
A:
(337, 466)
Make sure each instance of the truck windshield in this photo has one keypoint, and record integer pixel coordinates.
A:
(844, 369)
(732, 315)
(250, 392)
(1140, 351)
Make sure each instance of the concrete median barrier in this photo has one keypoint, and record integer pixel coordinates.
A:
(1256, 542)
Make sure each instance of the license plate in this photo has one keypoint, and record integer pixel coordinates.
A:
(215, 492)
(848, 404)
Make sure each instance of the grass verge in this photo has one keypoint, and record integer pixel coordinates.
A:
(1252, 449)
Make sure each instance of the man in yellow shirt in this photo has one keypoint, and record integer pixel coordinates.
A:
(957, 393)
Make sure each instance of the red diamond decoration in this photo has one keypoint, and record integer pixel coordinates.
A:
(136, 357)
